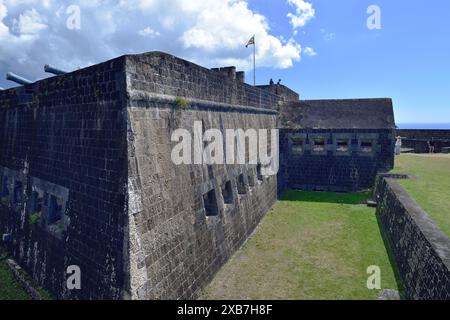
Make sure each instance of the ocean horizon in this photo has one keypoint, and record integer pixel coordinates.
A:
(426, 126)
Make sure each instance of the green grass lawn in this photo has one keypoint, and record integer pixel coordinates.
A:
(9, 288)
(310, 246)
(431, 189)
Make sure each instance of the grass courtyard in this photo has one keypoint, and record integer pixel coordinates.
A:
(431, 185)
(9, 288)
(310, 246)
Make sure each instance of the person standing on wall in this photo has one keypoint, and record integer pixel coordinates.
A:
(398, 146)
(431, 144)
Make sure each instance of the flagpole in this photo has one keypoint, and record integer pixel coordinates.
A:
(254, 61)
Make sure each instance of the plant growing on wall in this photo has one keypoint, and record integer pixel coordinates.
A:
(181, 102)
(34, 218)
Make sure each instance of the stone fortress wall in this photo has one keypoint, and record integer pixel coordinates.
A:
(164, 74)
(87, 177)
(418, 139)
(185, 221)
(421, 251)
(342, 163)
(424, 134)
(63, 179)
(335, 145)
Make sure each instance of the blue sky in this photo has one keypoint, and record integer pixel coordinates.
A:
(407, 59)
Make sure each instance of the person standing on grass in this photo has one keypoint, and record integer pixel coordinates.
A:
(398, 146)
(431, 145)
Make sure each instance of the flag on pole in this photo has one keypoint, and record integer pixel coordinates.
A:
(250, 42)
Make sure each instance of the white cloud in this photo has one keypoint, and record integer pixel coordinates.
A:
(209, 32)
(224, 23)
(149, 32)
(329, 36)
(30, 22)
(304, 12)
(227, 25)
(310, 52)
(4, 30)
(139, 4)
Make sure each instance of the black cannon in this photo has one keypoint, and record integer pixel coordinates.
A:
(48, 68)
(18, 79)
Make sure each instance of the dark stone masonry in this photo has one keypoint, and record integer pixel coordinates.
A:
(418, 139)
(63, 169)
(335, 145)
(87, 177)
(420, 249)
(424, 134)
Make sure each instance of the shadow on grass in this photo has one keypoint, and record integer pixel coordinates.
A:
(325, 197)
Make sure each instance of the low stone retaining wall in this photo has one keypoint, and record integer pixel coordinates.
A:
(418, 139)
(20, 276)
(420, 249)
(421, 146)
(424, 134)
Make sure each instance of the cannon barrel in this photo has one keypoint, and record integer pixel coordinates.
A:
(18, 79)
(50, 69)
